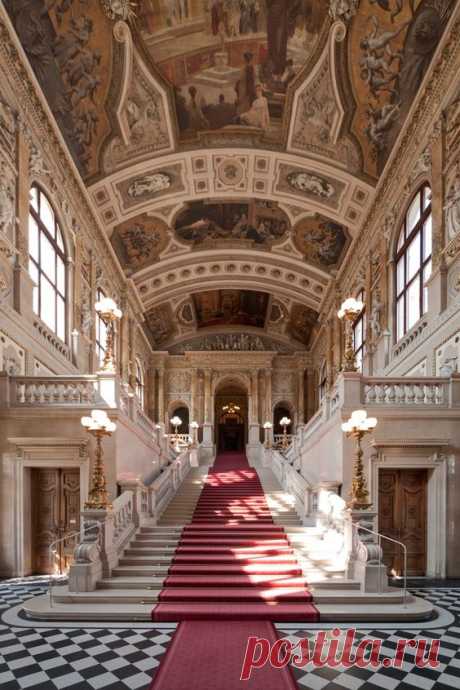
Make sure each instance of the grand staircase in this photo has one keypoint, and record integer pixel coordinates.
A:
(145, 568)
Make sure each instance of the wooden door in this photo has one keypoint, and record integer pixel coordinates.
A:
(55, 513)
(402, 516)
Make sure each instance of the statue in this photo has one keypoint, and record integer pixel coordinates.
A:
(452, 208)
(376, 314)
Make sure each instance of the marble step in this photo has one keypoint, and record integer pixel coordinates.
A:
(151, 595)
(145, 560)
(140, 571)
(155, 583)
(347, 610)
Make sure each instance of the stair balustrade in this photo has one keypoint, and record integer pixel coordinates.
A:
(105, 533)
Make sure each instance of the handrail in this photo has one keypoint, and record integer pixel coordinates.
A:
(395, 541)
(52, 548)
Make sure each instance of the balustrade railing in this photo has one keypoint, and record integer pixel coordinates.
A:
(406, 391)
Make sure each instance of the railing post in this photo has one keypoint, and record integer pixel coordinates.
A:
(364, 551)
(5, 389)
(454, 390)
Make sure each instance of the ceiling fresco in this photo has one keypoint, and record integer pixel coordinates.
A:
(228, 66)
(260, 223)
(138, 242)
(321, 241)
(231, 308)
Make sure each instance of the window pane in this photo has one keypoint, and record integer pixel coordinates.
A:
(400, 282)
(47, 257)
(33, 272)
(35, 300)
(33, 238)
(34, 198)
(413, 214)
(47, 214)
(59, 239)
(413, 257)
(358, 334)
(60, 329)
(413, 303)
(401, 240)
(426, 197)
(427, 272)
(60, 283)
(400, 317)
(48, 303)
(427, 237)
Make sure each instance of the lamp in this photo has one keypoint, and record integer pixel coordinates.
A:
(348, 312)
(98, 425)
(109, 313)
(176, 422)
(358, 426)
(285, 422)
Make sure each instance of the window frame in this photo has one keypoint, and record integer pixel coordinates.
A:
(59, 255)
(360, 349)
(139, 383)
(401, 253)
(100, 328)
(322, 384)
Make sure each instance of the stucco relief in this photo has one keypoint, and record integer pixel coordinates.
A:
(178, 382)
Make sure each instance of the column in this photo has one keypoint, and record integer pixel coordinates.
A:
(268, 396)
(437, 285)
(23, 284)
(254, 427)
(151, 392)
(207, 426)
(301, 397)
(193, 396)
(161, 395)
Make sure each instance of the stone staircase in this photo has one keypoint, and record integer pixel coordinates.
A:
(135, 584)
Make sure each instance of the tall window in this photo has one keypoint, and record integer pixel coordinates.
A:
(359, 335)
(47, 263)
(101, 330)
(140, 385)
(413, 262)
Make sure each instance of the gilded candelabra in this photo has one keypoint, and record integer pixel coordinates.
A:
(98, 425)
(285, 422)
(176, 422)
(349, 311)
(357, 427)
(110, 314)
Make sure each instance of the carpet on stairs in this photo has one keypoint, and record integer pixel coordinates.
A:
(234, 573)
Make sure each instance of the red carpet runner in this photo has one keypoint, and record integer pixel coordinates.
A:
(233, 574)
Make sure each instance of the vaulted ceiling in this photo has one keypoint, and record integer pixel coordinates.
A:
(230, 147)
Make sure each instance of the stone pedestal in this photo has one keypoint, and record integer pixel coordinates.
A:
(365, 555)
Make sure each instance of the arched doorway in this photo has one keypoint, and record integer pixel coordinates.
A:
(281, 410)
(182, 412)
(231, 417)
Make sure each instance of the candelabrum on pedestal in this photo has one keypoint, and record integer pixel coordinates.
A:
(98, 425)
(110, 314)
(349, 311)
(285, 422)
(357, 427)
(176, 422)
(194, 426)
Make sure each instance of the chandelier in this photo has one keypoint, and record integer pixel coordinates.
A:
(231, 408)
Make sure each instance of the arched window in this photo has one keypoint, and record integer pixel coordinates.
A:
(359, 335)
(101, 330)
(413, 262)
(140, 385)
(47, 263)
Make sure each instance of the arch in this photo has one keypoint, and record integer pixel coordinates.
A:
(48, 263)
(231, 412)
(228, 379)
(280, 409)
(412, 253)
(180, 409)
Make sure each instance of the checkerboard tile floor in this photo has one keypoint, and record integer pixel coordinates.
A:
(79, 659)
(118, 658)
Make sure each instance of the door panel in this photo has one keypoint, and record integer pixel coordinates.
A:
(55, 513)
(402, 516)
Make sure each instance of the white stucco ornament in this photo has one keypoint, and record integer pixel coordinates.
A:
(120, 10)
(452, 208)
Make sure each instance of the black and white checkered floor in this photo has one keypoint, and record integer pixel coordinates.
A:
(115, 658)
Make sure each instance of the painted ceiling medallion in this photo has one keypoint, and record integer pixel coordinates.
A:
(117, 10)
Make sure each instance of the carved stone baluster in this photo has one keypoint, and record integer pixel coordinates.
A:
(429, 395)
(410, 394)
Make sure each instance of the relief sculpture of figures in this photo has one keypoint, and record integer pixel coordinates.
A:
(452, 207)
